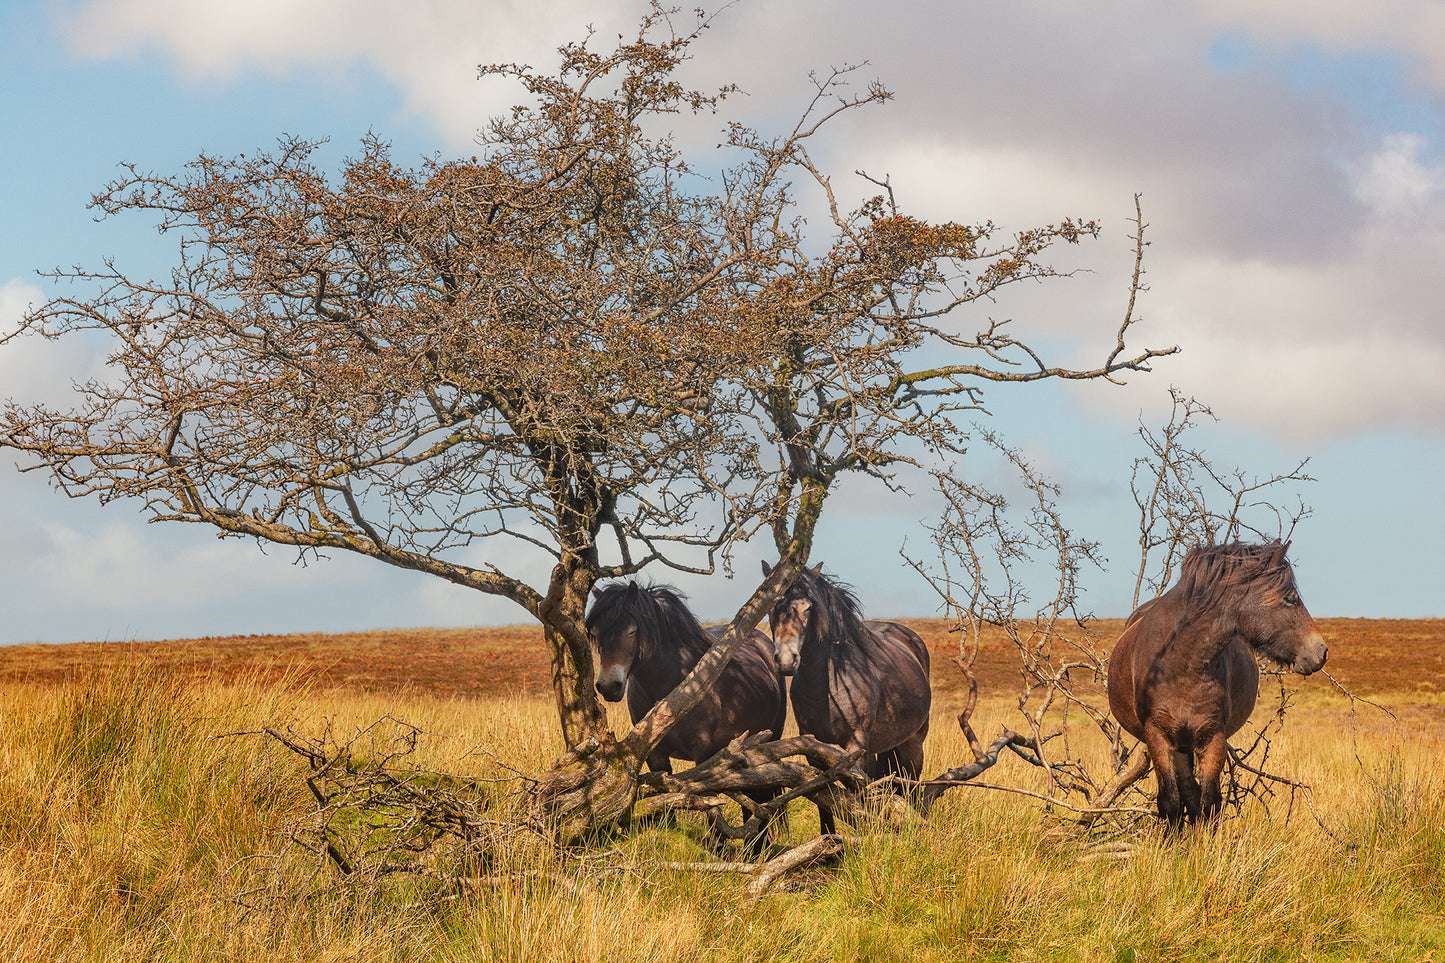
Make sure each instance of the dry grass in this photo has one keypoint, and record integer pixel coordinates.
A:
(128, 821)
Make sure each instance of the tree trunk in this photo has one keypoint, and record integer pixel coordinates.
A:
(564, 615)
(573, 688)
(595, 784)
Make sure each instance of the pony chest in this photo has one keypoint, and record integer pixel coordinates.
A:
(831, 700)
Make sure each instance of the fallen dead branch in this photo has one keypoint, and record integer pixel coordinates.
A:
(802, 767)
(379, 815)
(746, 869)
(820, 848)
(1094, 811)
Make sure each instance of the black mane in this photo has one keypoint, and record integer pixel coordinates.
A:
(658, 611)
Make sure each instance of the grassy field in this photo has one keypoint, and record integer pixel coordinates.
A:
(139, 808)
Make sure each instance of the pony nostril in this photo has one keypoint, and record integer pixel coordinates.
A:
(1311, 662)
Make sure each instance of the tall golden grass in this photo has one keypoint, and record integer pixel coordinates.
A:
(137, 807)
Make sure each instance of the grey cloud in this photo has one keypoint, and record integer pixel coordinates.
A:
(1237, 160)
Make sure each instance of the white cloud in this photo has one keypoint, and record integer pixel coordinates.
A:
(115, 564)
(1326, 337)
(1395, 183)
(430, 50)
(1311, 351)
(32, 369)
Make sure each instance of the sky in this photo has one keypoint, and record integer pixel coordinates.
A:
(1288, 157)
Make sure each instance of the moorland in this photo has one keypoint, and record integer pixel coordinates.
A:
(145, 815)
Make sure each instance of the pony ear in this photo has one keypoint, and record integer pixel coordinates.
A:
(632, 591)
(767, 569)
(1278, 556)
(818, 569)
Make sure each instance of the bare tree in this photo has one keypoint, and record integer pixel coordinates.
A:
(574, 347)
(1184, 500)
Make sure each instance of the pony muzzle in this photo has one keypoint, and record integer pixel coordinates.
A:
(1311, 658)
(787, 657)
(612, 683)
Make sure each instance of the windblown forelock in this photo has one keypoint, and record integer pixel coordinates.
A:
(1208, 573)
(833, 612)
(611, 614)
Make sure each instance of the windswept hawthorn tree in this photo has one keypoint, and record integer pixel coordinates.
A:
(513, 353)
(572, 344)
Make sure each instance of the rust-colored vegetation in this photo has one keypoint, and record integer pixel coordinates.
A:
(1401, 658)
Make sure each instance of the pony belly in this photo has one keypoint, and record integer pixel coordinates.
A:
(901, 711)
(868, 730)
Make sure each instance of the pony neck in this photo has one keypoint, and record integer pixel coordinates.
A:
(1218, 631)
(848, 633)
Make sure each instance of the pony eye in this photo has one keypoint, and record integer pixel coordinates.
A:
(1292, 599)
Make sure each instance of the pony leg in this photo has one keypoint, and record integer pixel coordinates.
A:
(660, 761)
(886, 764)
(869, 763)
(1184, 775)
(907, 758)
(757, 844)
(1189, 793)
(1211, 765)
(906, 761)
(1166, 772)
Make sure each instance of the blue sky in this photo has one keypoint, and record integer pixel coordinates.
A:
(1290, 164)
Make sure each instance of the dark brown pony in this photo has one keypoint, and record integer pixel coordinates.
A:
(856, 684)
(1183, 676)
(647, 642)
